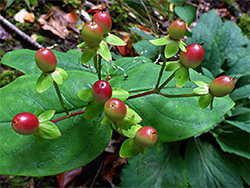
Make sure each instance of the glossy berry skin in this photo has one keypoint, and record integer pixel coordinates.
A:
(115, 109)
(193, 57)
(104, 20)
(221, 86)
(92, 34)
(101, 91)
(146, 136)
(25, 123)
(45, 60)
(177, 29)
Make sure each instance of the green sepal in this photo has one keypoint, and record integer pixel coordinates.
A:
(172, 65)
(130, 149)
(205, 100)
(160, 42)
(93, 109)
(119, 93)
(201, 90)
(182, 45)
(57, 77)
(104, 51)
(45, 116)
(171, 48)
(44, 82)
(106, 121)
(88, 54)
(114, 40)
(38, 112)
(130, 133)
(132, 117)
(47, 130)
(63, 73)
(81, 45)
(181, 77)
(85, 95)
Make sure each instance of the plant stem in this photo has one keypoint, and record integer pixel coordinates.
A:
(180, 95)
(166, 82)
(65, 117)
(141, 94)
(99, 67)
(60, 98)
(160, 74)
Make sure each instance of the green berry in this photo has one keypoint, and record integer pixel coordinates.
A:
(92, 34)
(104, 20)
(221, 86)
(45, 60)
(115, 109)
(146, 136)
(25, 123)
(177, 29)
(101, 91)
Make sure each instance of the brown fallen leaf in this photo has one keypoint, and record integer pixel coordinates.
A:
(65, 178)
(24, 16)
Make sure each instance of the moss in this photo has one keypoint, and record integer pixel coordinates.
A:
(244, 24)
(6, 77)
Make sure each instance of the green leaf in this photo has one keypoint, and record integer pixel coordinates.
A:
(242, 165)
(103, 50)
(182, 45)
(114, 40)
(240, 93)
(208, 167)
(106, 121)
(181, 77)
(119, 93)
(171, 48)
(87, 55)
(205, 100)
(141, 33)
(129, 149)
(63, 73)
(45, 116)
(44, 82)
(186, 12)
(172, 65)
(9, 2)
(160, 41)
(161, 166)
(132, 117)
(93, 109)
(147, 49)
(85, 95)
(177, 2)
(245, 126)
(57, 77)
(81, 141)
(48, 130)
(236, 142)
(38, 112)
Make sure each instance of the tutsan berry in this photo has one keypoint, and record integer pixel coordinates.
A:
(101, 91)
(221, 86)
(25, 123)
(92, 34)
(193, 57)
(146, 136)
(115, 109)
(177, 29)
(45, 60)
(104, 20)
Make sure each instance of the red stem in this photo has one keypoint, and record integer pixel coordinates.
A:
(141, 94)
(65, 117)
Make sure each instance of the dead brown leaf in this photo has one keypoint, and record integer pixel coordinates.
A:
(65, 178)
(24, 16)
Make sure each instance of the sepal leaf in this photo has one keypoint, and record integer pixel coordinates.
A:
(93, 109)
(63, 73)
(87, 55)
(47, 130)
(104, 51)
(85, 95)
(171, 48)
(106, 121)
(181, 77)
(130, 149)
(202, 90)
(172, 65)
(205, 100)
(45, 116)
(44, 82)
(130, 133)
(114, 40)
(182, 45)
(132, 117)
(81, 45)
(160, 42)
(57, 77)
(119, 93)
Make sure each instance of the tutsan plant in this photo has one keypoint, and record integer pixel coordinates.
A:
(115, 109)
(45, 60)
(104, 20)
(101, 91)
(146, 137)
(221, 86)
(92, 34)
(177, 29)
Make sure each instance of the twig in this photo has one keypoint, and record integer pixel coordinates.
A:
(96, 175)
(20, 33)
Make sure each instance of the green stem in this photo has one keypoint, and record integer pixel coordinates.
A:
(166, 82)
(180, 95)
(160, 74)
(60, 98)
(99, 67)
(95, 63)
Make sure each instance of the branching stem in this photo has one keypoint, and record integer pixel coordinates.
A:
(160, 74)
(65, 117)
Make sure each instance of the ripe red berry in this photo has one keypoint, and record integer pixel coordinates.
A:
(104, 20)
(101, 91)
(193, 57)
(221, 86)
(146, 136)
(115, 109)
(25, 123)
(92, 34)
(45, 60)
(177, 29)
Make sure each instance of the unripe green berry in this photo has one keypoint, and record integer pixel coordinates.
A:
(92, 34)
(221, 86)
(25, 123)
(193, 57)
(104, 20)
(146, 136)
(45, 60)
(177, 29)
(101, 91)
(115, 109)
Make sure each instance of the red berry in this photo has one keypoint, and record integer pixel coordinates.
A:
(101, 91)
(177, 29)
(193, 57)
(115, 109)
(221, 86)
(104, 20)
(92, 34)
(146, 136)
(25, 123)
(45, 60)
